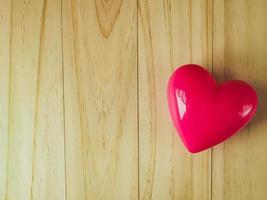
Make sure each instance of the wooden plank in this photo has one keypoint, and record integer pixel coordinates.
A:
(170, 33)
(5, 9)
(240, 45)
(100, 71)
(36, 136)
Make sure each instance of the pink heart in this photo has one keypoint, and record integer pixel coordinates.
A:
(206, 113)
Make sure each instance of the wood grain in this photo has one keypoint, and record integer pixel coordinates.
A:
(240, 45)
(35, 168)
(83, 110)
(5, 10)
(99, 42)
(170, 33)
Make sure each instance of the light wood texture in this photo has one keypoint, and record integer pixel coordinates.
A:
(170, 33)
(5, 9)
(100, 65)
(35, 153)
(240, 45)
(83, 110)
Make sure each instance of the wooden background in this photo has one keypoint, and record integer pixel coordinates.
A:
(83, 111)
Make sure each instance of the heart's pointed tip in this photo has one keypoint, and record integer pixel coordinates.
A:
(194, 150)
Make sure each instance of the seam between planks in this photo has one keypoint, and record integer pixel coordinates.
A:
(138, 113)
(63, 99)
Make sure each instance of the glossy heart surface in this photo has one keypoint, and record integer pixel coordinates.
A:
(204, 112)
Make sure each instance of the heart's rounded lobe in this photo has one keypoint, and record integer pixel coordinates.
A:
(206, 113)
